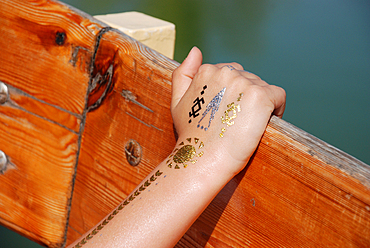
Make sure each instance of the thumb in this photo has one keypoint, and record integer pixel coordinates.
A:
(184, 74)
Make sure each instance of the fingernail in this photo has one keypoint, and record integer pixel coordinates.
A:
(190, 52)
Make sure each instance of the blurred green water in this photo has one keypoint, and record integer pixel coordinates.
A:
(318, 51)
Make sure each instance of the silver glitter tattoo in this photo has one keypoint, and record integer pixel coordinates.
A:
(212, 105)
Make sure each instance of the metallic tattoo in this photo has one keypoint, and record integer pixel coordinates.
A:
(212, 105)
(230, 67)
(197, 105)
(185, 154)
(119, 208)
(227, 119)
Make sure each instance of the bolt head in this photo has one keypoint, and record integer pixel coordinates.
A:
(133, 152)
(3, 161)
(4, 94)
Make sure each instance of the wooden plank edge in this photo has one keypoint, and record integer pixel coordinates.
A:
(30, 235)
(323, 151)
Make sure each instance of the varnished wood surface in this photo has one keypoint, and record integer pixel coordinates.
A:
(27, 103)
(136, 107)
(47, 79)
(297, 191)
(33, 62)
(292, 194)
(34, 193)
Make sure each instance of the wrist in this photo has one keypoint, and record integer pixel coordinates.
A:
(208, 160)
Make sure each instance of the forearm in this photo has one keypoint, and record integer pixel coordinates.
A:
(165, 204)
(208, 154)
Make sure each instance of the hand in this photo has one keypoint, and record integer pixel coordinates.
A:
(244, 101)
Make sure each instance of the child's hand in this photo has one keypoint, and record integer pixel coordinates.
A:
(224, 106)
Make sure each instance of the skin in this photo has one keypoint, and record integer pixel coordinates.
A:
(162, 213)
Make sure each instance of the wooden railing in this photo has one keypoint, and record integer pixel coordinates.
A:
(78, 91)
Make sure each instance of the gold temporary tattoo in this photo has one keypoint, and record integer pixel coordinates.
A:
(240, 97)
(120, 207)
(228, 119)
(185, 154)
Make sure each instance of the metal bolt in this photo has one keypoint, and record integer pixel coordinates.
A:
(133, 152)
(4, 94)
(3, 161)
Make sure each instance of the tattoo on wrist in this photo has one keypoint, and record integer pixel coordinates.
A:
(212, 106)
(128, 200)
(185, 153)
(197, 105)
(227, 119)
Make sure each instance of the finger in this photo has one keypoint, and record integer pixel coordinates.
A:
(279, 100)
(184, 74)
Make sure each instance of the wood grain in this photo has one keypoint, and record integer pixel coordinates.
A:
(28, 103)
(46, 50)
(136, 107)
(34, 193)
(292, 193)
(33, 62)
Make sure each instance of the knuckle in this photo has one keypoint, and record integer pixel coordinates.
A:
(282, 92)
(237, 65)
(205, 68)
(257, 92)
(279, 90)
(226, 72)
(242, 80)
(206, 71)
(256, 77)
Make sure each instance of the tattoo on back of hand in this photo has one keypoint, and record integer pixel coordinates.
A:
(230, 67)
(197, 105)
(212, 106)
(228, 118)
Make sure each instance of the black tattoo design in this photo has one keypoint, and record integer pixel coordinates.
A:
(197, 105)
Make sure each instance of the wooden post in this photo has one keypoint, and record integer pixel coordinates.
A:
(79, 91)
(152, 32)
(46, 53)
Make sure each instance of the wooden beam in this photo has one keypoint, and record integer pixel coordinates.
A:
(157, 34)
(136, 106)
(46, 53)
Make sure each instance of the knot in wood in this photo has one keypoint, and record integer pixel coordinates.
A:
(4, 94)
(60, 37)
(133, 152)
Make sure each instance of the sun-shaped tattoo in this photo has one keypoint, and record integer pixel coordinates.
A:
(185, 154)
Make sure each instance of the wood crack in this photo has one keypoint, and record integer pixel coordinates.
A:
(82, 127)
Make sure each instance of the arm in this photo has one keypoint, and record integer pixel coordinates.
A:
(220, 113)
